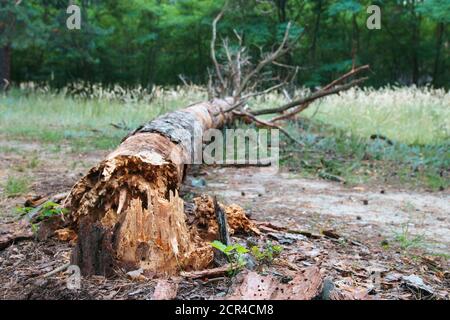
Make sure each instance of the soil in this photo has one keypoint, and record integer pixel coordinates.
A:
(319, 204)
(348, 233)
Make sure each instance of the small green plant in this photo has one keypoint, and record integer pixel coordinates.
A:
(47, 210)
(35, 228)
(16, 186)
(34, 162)
(407, 241)
(22, 211)
(266, 254)
(51, 209)
(235, 255)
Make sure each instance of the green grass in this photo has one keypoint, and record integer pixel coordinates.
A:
(337, 136)
(83, 121)
(408, 241)
(15, 186)
(330, 151)
(336, 131)
(407, 115)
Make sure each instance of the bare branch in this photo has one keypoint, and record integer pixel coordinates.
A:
(267, 124)
(213, 49)
(308, 99)
(269, 59)
(303, 106)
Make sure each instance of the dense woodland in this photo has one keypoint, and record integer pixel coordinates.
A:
(149, 42)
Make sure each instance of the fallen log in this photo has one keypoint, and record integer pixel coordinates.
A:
(127, 210)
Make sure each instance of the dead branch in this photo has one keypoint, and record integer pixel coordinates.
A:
(308, 99)
(282, 49)
(267, 124)
(303, 106)
(213, 50)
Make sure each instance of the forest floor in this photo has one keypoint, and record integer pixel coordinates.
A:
(372, 214)
(375, 235)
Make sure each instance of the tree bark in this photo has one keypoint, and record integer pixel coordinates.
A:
(127, 211)
(316, 31)
(5, 67)
(439, 40)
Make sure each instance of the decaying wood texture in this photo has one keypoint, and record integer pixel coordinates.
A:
(127, 210)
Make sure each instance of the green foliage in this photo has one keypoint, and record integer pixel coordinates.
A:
(437, 10)
(235, 254)
(48, 210)
(153, 41)
(16, 186)
(266, 254)
(345, 6)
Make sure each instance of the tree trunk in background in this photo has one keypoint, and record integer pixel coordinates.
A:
(5, 67)
(281, 6)
(355, 36)
(439, 40)
(316, 32)
(415, 38)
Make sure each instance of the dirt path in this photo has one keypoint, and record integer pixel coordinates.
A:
(412, 217)
(364, 215)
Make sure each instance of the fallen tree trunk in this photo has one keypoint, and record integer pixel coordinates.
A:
(127, 210)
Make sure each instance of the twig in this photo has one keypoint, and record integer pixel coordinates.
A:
(267, 124)
(59, 269)
(213, 50)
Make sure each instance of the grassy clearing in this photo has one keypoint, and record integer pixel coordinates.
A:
(84, 121)
(16, 186)
(337, 154)
(407, 115)
(412, 127)
(397, 136)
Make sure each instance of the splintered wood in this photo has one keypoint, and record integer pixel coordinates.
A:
(127, 211)
(130, 200)
(237, 220)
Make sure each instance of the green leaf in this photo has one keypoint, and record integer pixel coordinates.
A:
(240, 249)
(218, 245)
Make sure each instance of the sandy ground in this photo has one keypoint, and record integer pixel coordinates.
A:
(314, 204)
(367, 215)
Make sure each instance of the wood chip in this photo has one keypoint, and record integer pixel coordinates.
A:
(165, 290)
(306, 285)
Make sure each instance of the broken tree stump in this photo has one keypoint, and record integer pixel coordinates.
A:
(127, 211)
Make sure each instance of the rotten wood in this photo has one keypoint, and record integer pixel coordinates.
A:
(127, 211)
(223, 235)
